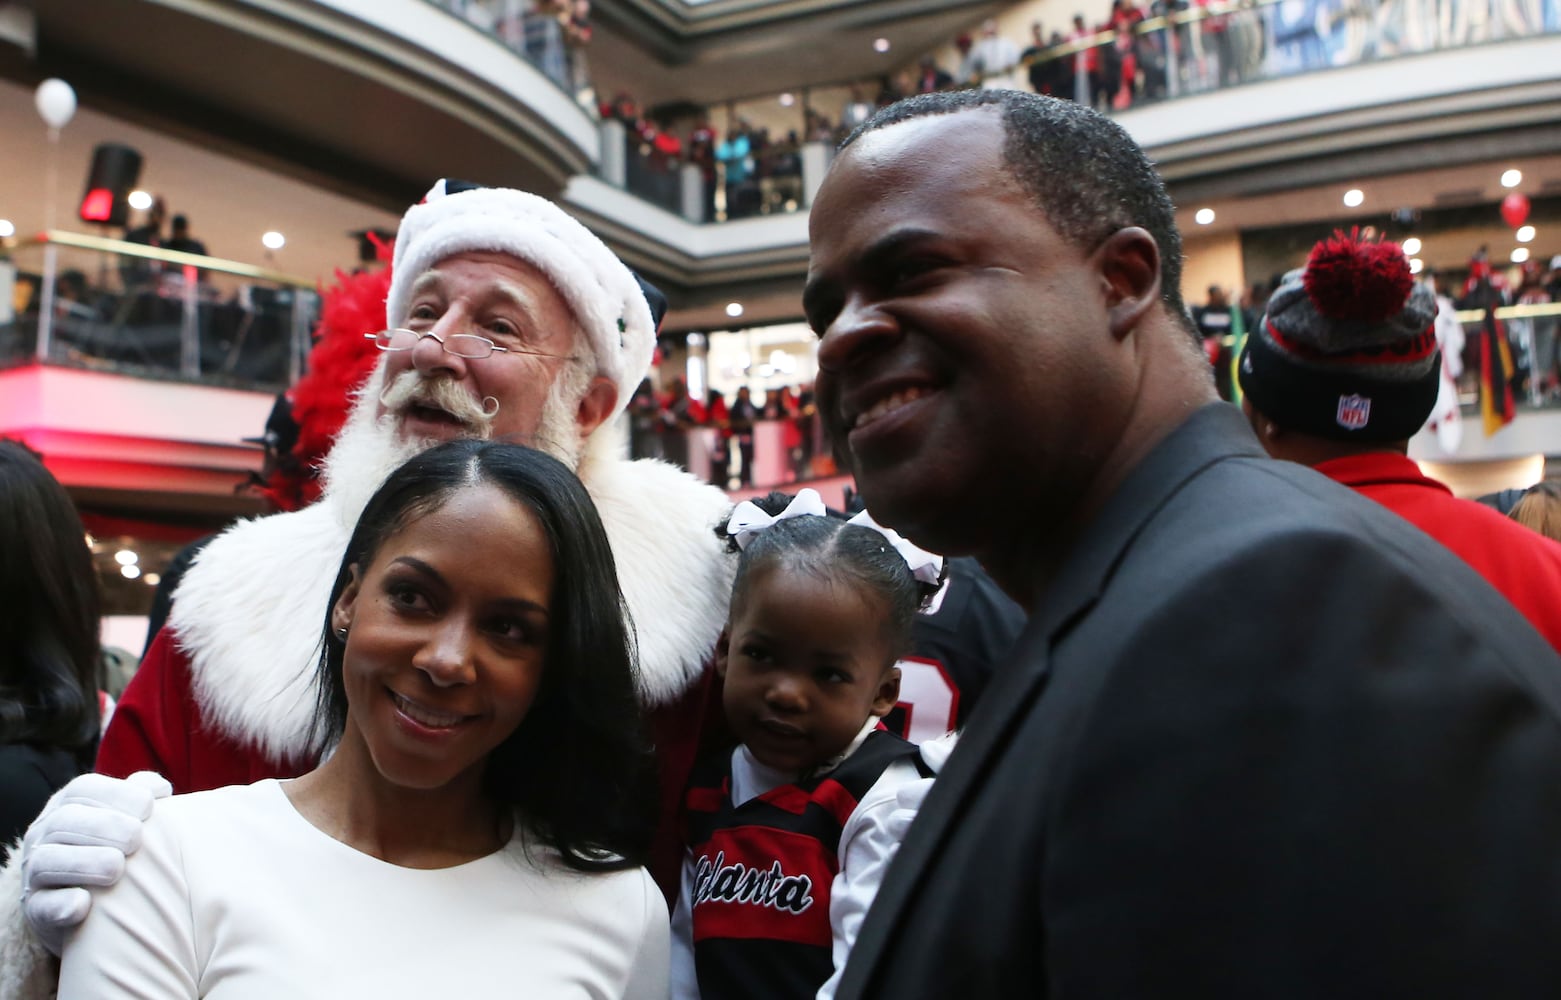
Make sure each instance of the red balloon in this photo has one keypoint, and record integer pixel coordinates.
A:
(1514, 208)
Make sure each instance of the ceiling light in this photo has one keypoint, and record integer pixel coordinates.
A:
(1353, 198)
(152, 579)
(787, 100)
(7, 228)
(139, 200)
(1416, 265)
(1204, 216)
(1520, 255)
(1525, 234)
(1512, 178)
(125, 557)
(734, 309)
(880, 45)
(129, 572)
(1411, 246)
(274, 240)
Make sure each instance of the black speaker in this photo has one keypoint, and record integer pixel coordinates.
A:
(115, 170)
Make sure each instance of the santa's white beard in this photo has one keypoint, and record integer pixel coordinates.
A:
(369, 447)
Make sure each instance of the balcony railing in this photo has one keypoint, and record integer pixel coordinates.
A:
(74, 299)
(1533, 331)
(1186, 49)
(1174, 54)
(551, 43)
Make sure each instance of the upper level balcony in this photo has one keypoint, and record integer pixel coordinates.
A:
(374, 98)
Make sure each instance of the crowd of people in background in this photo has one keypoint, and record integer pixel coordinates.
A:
(1147, 51)
(665, 424)
(553, 34)
(1533, 376)
(1139, 52)
(481, 700)
(744, 171)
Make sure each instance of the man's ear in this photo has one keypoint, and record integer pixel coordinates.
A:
(342, 612)
(597, 405)
(888, 693)
(1130, 268)
(723, 646)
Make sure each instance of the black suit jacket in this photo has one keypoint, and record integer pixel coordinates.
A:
(1262, 739)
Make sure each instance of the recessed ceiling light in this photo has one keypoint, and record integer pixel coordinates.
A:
(139, 200)
(130, 572)
(1204, 216)
(1520, 255)
(880, 45)
(152, 579)
(1525, 234)
(126, 557)
(273, 240)
(1512, 178)
(1411, 246)
(787, 100)
(734, 309)
(7, 228)
(1416, 265)
(1354, 197)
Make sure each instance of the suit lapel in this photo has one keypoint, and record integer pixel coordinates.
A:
(1213, 433)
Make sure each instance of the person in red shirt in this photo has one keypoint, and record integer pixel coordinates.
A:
(1340, 374)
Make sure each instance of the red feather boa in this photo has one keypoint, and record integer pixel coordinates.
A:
(338, 363)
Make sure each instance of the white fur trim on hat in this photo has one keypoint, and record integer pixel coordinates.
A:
(600, 291)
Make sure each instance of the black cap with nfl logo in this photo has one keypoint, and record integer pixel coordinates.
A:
(1347, 350)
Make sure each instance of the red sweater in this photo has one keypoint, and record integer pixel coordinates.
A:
(1524, 565)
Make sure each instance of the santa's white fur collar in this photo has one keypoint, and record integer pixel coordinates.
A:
(250, 611)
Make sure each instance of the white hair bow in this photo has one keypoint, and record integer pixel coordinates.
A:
(748, 519)
(924, 566)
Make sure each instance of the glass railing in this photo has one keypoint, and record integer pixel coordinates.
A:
(1530, 365)
(1533, 335)
(1181, 50)
(706, 182)
(1189, 49)
(542, 32)
(86, 301)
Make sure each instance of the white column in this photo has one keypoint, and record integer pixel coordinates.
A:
(692, 180)
(615, 149)
(815, 162)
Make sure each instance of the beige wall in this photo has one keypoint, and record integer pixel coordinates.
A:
(1211, 260)
(1476, 479)
(230, 202)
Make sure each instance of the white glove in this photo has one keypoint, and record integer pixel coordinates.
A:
(908, 800)
(81, 839)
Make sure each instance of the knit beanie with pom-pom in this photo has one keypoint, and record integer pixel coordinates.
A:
(1347, 350)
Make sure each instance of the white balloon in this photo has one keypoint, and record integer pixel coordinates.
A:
(56, 102)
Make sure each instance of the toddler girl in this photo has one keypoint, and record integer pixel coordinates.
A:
(790, 833)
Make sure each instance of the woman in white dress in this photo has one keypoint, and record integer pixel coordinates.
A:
(478, 827)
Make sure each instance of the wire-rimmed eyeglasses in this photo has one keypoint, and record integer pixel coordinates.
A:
(462, 345)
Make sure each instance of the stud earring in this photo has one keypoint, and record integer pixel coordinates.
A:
(341, 634)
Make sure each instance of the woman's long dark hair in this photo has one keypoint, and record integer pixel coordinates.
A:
(48, 612)
(578, 768)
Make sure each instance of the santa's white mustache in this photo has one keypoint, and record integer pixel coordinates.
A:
(411, 389)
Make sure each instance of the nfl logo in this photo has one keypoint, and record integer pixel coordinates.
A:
(1354, 411)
